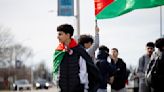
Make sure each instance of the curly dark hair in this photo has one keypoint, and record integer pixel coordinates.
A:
(104, 48)
(159, 43)
(85, 39)
(66, 28)
(150, 44)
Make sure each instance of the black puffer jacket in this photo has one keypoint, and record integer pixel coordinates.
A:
(69, 80)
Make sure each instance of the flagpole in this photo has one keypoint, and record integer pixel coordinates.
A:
(96, 23)
(161, 21)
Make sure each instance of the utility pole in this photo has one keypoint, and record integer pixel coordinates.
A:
(161, 34)
(78, 17)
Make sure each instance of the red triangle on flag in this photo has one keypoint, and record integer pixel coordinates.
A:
(101, 4)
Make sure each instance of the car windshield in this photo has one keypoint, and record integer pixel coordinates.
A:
(41, 80)
(22, 82)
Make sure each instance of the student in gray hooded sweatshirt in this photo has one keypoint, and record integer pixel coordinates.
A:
(90, 44)
(142, 66)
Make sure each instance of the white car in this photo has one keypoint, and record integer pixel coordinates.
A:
(133, 81)
(22, 84)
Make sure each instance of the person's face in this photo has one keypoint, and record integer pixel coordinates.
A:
(150, 50)
(87, 45)
(63, 37)
(163, 48)
(114, 53)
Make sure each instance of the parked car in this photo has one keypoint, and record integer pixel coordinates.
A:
(41, 83)
(133, 81)
(22, 84)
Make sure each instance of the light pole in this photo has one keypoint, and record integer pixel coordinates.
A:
(32, 76)
(161, 34)
(78, 16)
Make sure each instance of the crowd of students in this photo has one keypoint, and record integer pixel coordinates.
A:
(77, 69)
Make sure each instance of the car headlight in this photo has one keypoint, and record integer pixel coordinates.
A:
(47, 84)
(14, 85)
(37, 84)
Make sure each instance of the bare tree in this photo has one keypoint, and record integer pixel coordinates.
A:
(22, 53)
(6, 41)
(41, 71)
(6, 38)
(9, 51)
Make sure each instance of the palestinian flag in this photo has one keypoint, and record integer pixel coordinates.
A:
(113, 8)
(59, 54)
(57, 58)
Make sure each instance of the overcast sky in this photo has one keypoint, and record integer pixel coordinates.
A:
(34, 22)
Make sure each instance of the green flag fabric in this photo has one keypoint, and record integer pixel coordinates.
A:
(57, 58)
(59, 54)
(120, 7)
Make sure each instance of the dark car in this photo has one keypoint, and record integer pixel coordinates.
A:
(42, 83)
(22, 84)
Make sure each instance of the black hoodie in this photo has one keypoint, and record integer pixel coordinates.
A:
(104, 67)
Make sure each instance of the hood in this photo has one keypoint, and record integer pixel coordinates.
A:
(102, 55)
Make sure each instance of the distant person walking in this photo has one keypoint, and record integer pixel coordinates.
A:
(134, 77)
(142, 66)
(119, 65)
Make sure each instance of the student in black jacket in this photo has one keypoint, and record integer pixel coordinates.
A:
(66, 63)
(119, 65)
(104, 67)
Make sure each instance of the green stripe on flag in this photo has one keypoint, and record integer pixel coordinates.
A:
(119, 7)
(57, 58)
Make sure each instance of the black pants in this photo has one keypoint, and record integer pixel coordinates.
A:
(79, 88)
(135, 89)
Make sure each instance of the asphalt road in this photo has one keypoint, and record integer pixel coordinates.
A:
(53, 89)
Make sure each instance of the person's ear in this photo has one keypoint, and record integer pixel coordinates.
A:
(68, 35)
